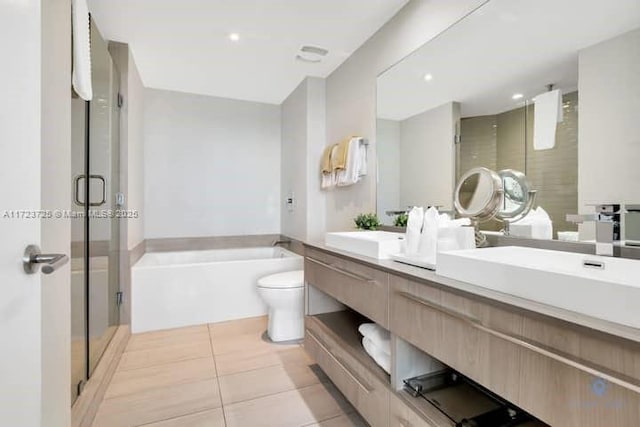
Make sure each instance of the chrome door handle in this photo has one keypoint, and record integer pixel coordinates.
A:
(33, 257)
(76, 195)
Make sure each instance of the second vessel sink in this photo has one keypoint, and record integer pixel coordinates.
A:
(606, 288)
(374, 244)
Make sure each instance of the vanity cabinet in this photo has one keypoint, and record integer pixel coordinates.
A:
(365, 385)
(563, 376)
(562, 373)
(363, 288)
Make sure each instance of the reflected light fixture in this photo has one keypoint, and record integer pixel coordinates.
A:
(517, 96)
(234, 37)
(428, 77)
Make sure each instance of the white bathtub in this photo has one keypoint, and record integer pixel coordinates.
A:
(173, 289)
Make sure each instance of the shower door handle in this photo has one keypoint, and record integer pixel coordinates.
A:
(76, 195)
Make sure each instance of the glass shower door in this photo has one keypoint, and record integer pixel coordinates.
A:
(95, 226)
(104, 172)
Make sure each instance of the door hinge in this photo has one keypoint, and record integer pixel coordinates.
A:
(119, 298)
(120, 100)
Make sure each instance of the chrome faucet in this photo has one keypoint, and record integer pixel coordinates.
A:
(607, 219)
(281, 242)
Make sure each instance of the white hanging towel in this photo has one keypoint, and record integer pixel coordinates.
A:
(356, 164)
(81, 78)
(547, 114)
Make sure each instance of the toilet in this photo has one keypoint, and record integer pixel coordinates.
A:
(284, 295)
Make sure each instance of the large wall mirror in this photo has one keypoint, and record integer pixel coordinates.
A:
(549, 88)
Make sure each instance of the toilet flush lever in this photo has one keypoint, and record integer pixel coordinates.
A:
(33, 257)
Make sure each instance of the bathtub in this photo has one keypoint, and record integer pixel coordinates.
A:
(174, 289)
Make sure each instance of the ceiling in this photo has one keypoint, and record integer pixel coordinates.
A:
(184, 45)
(505, 47)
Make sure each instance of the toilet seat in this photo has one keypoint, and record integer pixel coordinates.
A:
(287, 280)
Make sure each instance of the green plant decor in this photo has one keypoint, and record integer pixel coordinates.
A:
(401, 220)
(368, 221)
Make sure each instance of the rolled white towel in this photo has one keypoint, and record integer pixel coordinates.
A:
(381, 358)
(378, 336)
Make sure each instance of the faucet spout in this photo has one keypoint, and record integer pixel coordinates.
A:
(607, 219)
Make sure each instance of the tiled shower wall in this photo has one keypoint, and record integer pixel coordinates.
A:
(506, 141)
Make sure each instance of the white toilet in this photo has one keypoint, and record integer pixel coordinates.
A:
(284, 294)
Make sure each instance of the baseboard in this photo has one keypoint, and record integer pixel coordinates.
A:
(85, 408)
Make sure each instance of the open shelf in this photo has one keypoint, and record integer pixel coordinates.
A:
(343, 328)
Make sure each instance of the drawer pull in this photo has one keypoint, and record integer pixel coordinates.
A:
(342, 271)
(368, 389)
(567, 360)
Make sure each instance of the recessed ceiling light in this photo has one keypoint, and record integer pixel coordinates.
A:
(428, 77)
(234, 37)
(517, 96)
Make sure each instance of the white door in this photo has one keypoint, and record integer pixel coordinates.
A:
(34, 171)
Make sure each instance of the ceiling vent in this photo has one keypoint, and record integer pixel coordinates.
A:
(311, 54)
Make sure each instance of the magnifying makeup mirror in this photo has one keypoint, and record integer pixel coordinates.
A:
(518, 198)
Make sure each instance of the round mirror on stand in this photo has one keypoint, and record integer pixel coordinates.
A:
(479, 196)
(518, 198)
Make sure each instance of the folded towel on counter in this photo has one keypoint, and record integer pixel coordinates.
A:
(356, 163)
(381, 358)
(414, 227)
(378, 335)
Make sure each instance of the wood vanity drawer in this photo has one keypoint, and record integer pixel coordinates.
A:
(364, 391)
(358, 286)
(443, 325)
(495, 348)
(402, 415)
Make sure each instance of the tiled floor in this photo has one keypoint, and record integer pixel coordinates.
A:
(220, 374)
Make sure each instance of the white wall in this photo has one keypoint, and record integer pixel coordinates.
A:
(134, 104)
(294, 163)
(427, 157)
(211, 166)
(388, 188)
(303, 138)
(351, 91)
(609, 129)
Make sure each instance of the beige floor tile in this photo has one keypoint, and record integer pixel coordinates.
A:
(161, 355)
(158, 404)
(346, 420)
(232, 363)
(246, 343)
(251, 325)
(213, 418)
(168, 374)
(292, 408)
(263, 382)
(149, 340)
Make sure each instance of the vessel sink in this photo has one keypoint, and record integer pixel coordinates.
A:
(601, 287)
(374, 244)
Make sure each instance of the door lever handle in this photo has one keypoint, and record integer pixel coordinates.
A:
(33, 257)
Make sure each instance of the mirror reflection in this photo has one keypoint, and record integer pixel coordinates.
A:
(551, 105)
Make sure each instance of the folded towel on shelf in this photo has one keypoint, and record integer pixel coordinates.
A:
(381, 358)
(378, 335)
(355, 163)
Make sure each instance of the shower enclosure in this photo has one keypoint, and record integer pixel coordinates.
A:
(95, 231)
